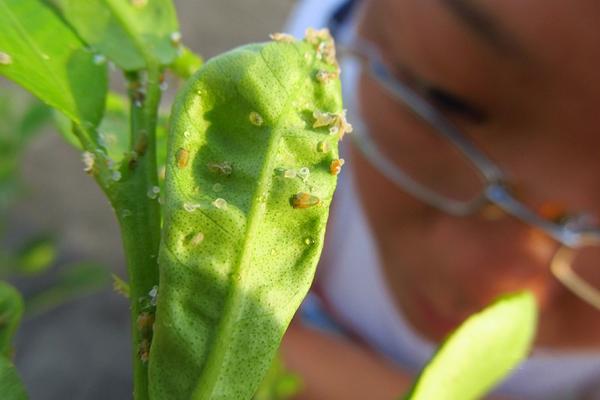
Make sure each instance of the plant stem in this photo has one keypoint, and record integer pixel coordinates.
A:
(139, 217)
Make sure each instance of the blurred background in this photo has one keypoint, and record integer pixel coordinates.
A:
(81, 349)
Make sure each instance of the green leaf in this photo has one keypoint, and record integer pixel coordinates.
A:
(130, 33)
(278, 384)
(237, 258)
(11, 387)
(481, 352)
(74, 282)
(186, 63)
(11, 310)
(36, 256)
(44, 56)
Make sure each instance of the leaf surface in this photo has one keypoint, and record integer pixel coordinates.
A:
(11, 310)
(236, 258)
(481, 352)
(42, 54)
(126, 33)
(11, 387)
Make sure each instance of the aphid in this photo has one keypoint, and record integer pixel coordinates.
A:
(343, 125)
(308, 241)
(323, 147)
(182, 156)
(99, 59)
(224, 168)
(326, 76)
(5, 59)
(197, 238)
(255, 118)
(323, 118)
(282, 37)
(304, 200)
(187, 134)
(336, 166)
(175, 39)
(144, 350)
(220, 203)
(145, 322)
(88, 161)
(141, 145)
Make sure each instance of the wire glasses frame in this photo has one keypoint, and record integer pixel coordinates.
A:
(571, 234)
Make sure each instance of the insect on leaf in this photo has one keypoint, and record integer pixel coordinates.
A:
(127, 32)
(238, 256)
(42, 54)
(481, 352)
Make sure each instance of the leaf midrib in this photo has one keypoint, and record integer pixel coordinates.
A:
(205, 388)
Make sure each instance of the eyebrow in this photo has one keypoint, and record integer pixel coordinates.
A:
(484, 24)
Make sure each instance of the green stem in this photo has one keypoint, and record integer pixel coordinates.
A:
(139, 217)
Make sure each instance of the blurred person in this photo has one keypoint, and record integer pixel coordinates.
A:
(473, 172)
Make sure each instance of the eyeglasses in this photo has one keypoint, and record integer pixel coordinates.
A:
(440, 181)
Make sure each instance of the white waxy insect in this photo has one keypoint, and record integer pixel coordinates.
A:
(153, 192)
(190, 207)
(220, 203)
(289, 173)
(282, 37)
(153, 294)
(323, 118)
(187, 134)
(256, 119)
(323, 147)
(88, 161)
(99, 59)
(326, 76)
(303, 173)
(223, 168)
(5, 58)
(116, 175)
(175, 39)
(197, 238)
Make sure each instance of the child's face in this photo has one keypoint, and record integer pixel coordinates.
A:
(527, 85)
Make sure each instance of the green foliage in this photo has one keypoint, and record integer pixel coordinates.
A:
(241, 235)
(278, 384)
(481, 352)
(11, 310)
(36, 256)
(48, 59)
(11, 387)
(128, 34)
